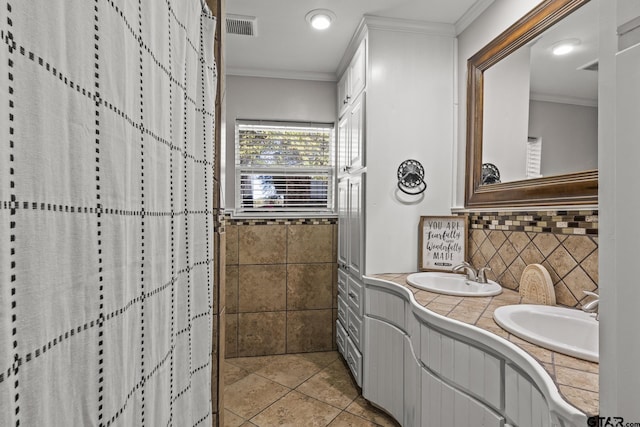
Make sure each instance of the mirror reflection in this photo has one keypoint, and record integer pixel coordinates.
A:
(540, 104)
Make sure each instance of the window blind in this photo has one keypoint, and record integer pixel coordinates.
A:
(284, 167)
(534, 155)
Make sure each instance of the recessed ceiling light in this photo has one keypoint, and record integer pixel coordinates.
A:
(564, 47)
(320, 19)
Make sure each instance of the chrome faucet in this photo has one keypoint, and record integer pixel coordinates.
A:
(482, 274)
(592, 306)
(479, 276)
(467, 268)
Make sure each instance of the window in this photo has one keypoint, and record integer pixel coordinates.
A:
(284, 167)
(534, 155)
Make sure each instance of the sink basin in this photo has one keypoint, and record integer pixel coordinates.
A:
(565, 330)
(453, 284)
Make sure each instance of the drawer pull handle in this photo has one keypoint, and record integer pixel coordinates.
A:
(352, 295)
(352, 329)
(351, 361)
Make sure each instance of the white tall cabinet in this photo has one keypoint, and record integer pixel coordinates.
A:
(395, 102)
(351, 173)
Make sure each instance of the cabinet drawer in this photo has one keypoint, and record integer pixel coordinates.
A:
(354, 327)
(386, 305)
(341, 338)
(354, 360)
(342, 311)
(342, 283)
(354, 295)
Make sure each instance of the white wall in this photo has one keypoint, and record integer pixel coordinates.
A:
(506, 115)
(409, 116)
(272, 99)
(569, 136)
(494, 20)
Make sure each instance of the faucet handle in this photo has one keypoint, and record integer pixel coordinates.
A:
(482, 275)
(591, 294)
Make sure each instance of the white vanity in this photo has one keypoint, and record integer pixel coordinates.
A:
(428, 370)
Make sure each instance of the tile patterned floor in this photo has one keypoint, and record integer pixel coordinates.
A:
(297, 390)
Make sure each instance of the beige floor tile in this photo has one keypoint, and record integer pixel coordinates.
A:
(252, 394)
(252, 363)
(322, 359)
(332, 385)
(233, 373)
(346, 419)
(232, 420)
(362, 408)
(289, 370)
(296, 410)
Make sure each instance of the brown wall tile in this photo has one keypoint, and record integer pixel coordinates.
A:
(262, 244)
(578, 281)
(231, 288)
(231, 335)
(562, 261)
(259, 283)
(546, 243)
(310, 243)
(571, 259)
(590, 266)
(262, 288)
(261, 334)
(309, 286)
(579, 246)
(309, 330)
(231, 244)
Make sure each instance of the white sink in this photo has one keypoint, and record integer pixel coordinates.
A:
(565, 330)
(453, 284)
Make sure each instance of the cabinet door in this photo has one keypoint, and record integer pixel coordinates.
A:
(443, 405)
(343, 92)
(343, 146)
(355, 159)
(358, 70)
(412, 392)
(343, 223)
(383, 372)
(356, 224)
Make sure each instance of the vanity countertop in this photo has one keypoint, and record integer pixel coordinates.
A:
(576, 379)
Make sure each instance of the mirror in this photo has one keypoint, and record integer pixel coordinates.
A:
(516, 156)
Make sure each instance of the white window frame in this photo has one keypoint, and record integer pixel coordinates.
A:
(328, 208)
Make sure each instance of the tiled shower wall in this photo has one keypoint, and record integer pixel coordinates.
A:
(280, 286)
(564, 242)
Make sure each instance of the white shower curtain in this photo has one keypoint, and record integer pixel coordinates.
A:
(106, 172)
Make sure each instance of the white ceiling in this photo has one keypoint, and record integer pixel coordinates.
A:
(286, 46)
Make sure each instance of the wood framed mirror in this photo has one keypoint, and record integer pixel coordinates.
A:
(564, 189)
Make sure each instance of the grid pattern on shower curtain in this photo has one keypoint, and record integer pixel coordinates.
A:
(106, 169)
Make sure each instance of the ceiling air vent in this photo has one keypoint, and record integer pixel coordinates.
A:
(242, 25)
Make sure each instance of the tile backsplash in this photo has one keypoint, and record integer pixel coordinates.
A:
(280, 286)
(564, 242)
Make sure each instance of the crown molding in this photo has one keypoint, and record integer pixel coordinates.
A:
(409, 26)
(358, 35)
(560, 99)
(281, 74)
(381, 23)
(471, 15)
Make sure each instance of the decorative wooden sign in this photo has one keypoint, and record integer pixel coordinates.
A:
(443, 242)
